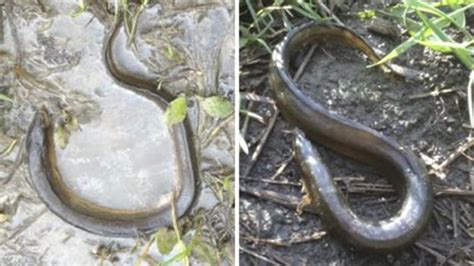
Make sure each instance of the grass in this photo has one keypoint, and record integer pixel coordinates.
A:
(428, 24)
(265, 23)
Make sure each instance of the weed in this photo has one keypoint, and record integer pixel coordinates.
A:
(265, 23)
(426, 23)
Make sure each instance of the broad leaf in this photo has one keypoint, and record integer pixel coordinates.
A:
(217, 106)
(176, 111)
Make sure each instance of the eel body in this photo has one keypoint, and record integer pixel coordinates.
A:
(353, 140)
(62, 200)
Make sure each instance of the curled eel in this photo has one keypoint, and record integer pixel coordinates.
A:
(353, 140)
(47, 180)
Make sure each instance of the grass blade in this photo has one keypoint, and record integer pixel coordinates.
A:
(425, 7)
(445, 46)
(5, 98)
(470, 100)
(464, 56)
(423, 33)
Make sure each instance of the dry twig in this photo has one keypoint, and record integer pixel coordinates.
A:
(438, 169)
(287, 242)
(258, 149)
(258, 256)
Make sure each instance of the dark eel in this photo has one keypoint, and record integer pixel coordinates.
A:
(46, 178)
(353, 140)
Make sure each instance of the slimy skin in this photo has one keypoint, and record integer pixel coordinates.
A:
(46, 178)
(353, 140)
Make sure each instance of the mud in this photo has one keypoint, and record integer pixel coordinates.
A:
(432, 127)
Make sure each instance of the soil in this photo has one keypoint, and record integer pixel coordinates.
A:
(432, 127)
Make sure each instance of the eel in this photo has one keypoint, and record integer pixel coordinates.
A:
(348, 138)
(62, 200)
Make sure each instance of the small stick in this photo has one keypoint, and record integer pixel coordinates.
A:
(305, 62)
(216, 130)
(439, 168)
(471, 177)
(288, 241)
(272, 182)
(2, 39)
(258, 256)
(258, 149)
(445, 214)
(283, 166)
(328, 54)
(440, 258)
(470, 99)
(289, 201)
(253, 115)
(18, 160)
(455, 220)
(246, 120)
(145, 251)
(328, 11)
(251, 96)
(434, 93)
(454, 192)
(9, 148)
(470, 158)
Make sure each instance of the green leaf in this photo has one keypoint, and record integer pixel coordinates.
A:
(217, 106)
(3, 97)
(176, 111)
(400, 13)
(63, 131)
(229, 187)
(464, 56)
(165, 240)
(455, 2)
(366, 14)
(62, 136)
(184, 252)
(4, 217)
(459, 19)
(204, 252)
(420, 35)
(82, 8)
(243, 41)
(442, 46)
(305, 12)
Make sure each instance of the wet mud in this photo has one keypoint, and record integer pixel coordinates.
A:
(431, 126)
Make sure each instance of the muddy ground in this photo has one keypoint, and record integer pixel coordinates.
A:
(52, 56)
(431, 126)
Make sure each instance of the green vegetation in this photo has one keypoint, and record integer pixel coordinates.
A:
(430, 31)
(5, 98)
(265, 24)
(214, 106)
(217, 106)
(430, 24)
(176, 111)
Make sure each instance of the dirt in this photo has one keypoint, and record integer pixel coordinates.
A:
(432, 127)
